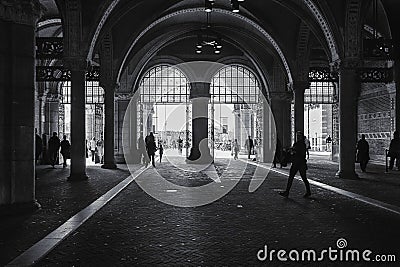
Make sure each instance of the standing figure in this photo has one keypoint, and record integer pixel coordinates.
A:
(394, 151)
(160, 149)
(65, 150)
(151, 147)
(93, 147)
(180, 145)
(299, 163)
(362, 153)
(236, 149)
(143, 157)
(249, 146)
(54, 146)
(328, 143)
(38, 146)
(100, 150)
(308, 146)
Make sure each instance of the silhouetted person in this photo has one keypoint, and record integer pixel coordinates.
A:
(65, 150)
(308, 146)
(100, 150)
(160, 150)
(180, 145)
(278, 153)
(249, 146)
(93, 147)
(235, 149)
(38, 146)
(394, 151)
(299, 163)
(362, 153)
(54, 146)
(151, 147)
(142, 150)
(328, 142)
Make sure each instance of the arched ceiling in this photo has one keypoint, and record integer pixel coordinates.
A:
(126, 20)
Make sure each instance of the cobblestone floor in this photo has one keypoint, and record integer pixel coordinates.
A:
(60, 200)
(136, 230)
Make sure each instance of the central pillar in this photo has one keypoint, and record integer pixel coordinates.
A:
(78, 119)
(299, 88)
(109, 159)
(200, 97)
(349, 84)
(17, 105)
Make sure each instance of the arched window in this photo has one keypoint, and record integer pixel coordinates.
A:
(320, 93)
(94, 93)
(164, 84)
(235, 84)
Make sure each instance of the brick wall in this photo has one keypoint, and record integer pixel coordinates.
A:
(375, 116)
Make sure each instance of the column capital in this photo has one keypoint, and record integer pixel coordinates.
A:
(281, 96)
(21, 12)
(200, 89)
(52, 98)
(123, 96)
(76, 63)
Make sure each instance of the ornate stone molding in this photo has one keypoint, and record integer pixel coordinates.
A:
(123, 96)
(21, 12)
(353, 28)
(106, 66)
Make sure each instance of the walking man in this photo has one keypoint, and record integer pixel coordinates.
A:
(65, 150)
(249, 146)
(54, 146)
(394, 151)
(299, 164)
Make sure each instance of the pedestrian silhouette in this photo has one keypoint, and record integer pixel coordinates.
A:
(160, 149)
(362, 153)
(65, 150)
(54, 146)
(151, 147)
(299, 164)
(249, 146)
(394, 151)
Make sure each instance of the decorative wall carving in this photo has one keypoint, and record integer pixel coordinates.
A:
(60, 73)
(49, 48)
(21, 12)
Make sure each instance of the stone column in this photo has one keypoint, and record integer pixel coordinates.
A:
(109, 160)
(51, 115)
(17, 97)
(78, 68)
(299, 88)
(397, 80)
(122, 106)
(238, 124)
(281, 108)
(200, 97)
(349, 88)
(269, 134)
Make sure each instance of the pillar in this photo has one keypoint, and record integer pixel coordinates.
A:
(397, 80)
(268, 134)
(349, 87)
(78, 118)
(17, 105)
(299, 88)
(121, 108)
(109, 160)
(200, 97)
(51, 115)
(281, 109)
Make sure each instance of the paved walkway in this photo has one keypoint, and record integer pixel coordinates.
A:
(136, 229)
